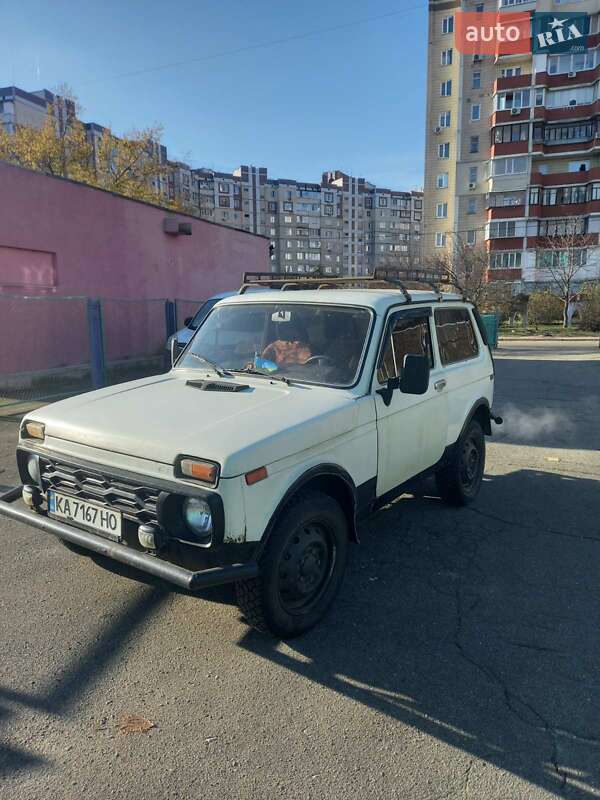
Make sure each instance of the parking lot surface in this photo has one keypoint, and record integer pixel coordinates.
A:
(461, 659)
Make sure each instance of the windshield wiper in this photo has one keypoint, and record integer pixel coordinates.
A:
(270, 375)
(222, 373)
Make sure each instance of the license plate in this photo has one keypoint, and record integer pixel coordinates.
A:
(92, 516)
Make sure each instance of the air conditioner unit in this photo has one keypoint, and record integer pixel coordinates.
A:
(515, 111)
(571, 75)
(472, 186)
(437, 129)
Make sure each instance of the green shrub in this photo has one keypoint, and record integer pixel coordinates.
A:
(545, 308)
(589, 314)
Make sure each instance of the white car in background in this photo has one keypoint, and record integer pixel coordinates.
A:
(288, 418)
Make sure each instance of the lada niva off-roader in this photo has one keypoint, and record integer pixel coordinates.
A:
(285, 420)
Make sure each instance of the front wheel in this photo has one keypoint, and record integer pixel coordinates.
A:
(301, 568)
(460, 480)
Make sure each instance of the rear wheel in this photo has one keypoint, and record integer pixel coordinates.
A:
(460, 480)
(301, 568)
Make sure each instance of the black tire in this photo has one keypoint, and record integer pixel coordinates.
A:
(301, 567)
(460, 480)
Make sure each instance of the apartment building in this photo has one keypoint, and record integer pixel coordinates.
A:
(18, 107)
(512, 155)
(342, 225)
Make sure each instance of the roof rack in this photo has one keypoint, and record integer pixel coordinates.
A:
(383, 278)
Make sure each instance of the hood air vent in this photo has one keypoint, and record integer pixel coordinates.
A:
(218, 386)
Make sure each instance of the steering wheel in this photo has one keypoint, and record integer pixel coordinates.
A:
(326, 361)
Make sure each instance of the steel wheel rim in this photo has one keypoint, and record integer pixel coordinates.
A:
(470, 461)
(305, 567)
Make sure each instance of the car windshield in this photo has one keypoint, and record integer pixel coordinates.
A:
(311, 343)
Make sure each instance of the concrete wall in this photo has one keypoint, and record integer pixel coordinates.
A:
(59, 238)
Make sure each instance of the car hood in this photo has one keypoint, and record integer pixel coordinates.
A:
(165, 416)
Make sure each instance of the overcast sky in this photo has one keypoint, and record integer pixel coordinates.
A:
(349, 96)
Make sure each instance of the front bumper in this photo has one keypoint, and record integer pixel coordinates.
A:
(153, 565)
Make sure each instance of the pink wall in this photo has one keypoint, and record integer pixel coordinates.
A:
(60, 238)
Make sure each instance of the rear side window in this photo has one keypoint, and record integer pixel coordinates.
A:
(407, 334)
(456, 336)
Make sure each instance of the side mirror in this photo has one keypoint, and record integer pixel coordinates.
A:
(175, 350)
(414, 380)
(188, 322)
(415, 374)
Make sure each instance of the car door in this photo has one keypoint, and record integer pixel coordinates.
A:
(411, 430)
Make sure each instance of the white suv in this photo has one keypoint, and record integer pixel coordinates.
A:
(285, 421)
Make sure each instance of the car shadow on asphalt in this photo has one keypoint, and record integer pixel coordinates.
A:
(475, 626)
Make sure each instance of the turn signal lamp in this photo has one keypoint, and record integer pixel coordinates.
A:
(205, 471)
(33, 430)
(256, 475)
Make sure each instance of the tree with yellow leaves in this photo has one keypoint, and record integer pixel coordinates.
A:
(130, 165)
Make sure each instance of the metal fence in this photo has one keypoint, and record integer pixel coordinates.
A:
(53, 347)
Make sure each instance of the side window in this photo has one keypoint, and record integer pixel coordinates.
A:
(406, 334)
(456, 337)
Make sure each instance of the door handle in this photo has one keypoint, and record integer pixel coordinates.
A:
(439, 385)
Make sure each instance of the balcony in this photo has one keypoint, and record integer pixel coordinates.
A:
(516, 5)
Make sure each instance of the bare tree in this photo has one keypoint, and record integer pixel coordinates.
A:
(561, 257)
(465, 265)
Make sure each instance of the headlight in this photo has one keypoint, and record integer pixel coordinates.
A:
(33, 468)
(198, 518)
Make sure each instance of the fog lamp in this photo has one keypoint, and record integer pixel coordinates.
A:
(32, 496)
(198, 517)
(148, 537)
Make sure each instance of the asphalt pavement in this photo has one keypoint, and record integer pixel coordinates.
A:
(461, 659)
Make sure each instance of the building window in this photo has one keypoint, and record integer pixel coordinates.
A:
(383, 201)
(448, 25)
(476, 80)
(328, 197)
(446, 57)
(441, 210)
(272, 206)
(224, 202)
(502, 229)
(471, 237)
(475, 112)
(571, 63)
(562, 227)
(418, 204)
(444, 150)
(517, 99)
(440, 240)
(445, 119)
(472, 174)
(224, 188)
(556, 259)
(287, 206)
(479, 8)
(474, 144)
(510, 72)
(511, 133)
(442, 180)
(509, 166)
(446, 88)
(505, 260)
(328, 211)
(472, 205)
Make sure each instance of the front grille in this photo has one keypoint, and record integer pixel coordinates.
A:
(135, 502)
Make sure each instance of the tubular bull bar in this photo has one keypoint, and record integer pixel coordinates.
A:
(187, 579)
